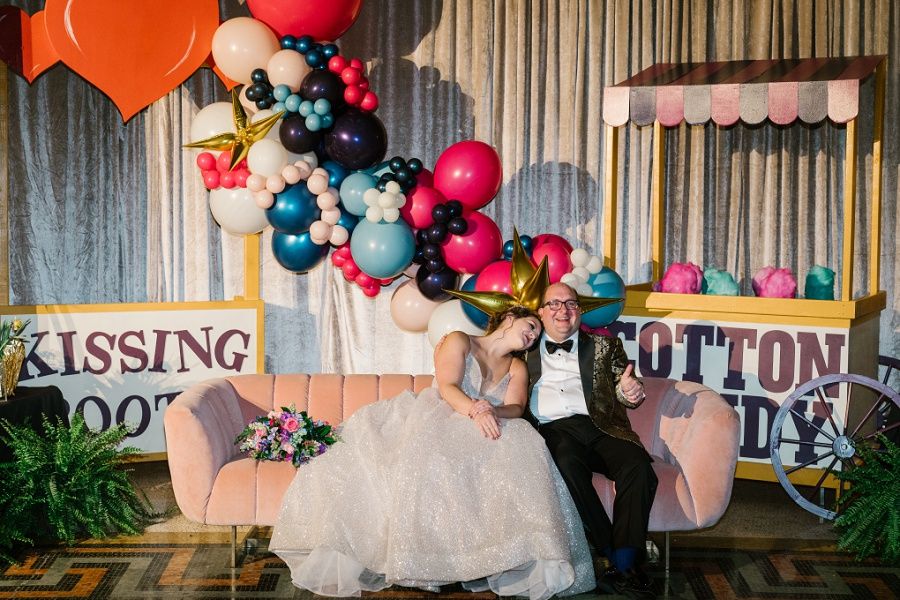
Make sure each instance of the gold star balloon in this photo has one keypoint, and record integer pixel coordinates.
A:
(247, 133)
(528, 286)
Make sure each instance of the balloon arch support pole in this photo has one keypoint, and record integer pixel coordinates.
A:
(252, 266)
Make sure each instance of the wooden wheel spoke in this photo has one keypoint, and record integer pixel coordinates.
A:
(828, 410)
(805, 443)
(882, 430)
(867, 416)
(821, 480)
(814, 459)
(813, 425)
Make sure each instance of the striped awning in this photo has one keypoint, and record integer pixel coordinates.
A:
(783, 91)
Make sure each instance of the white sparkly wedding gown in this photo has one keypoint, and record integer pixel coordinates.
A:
(415, 495)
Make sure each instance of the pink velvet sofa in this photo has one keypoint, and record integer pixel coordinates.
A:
(691, 432)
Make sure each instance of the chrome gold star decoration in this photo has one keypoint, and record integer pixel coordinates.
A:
(528, 286)
(247, 133)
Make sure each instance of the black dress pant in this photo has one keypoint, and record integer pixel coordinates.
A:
(580, 449)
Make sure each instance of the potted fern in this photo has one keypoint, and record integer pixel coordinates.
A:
(67, 482)
(869, 521)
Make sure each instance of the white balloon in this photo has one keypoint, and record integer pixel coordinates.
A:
(570, 280)
(584, 289)
(391, 215)
(447, 317)
(241, 45)
(287, 67)
(236, 211)
(267, 157)
(374, 214)
(579, 257)
(212, 120)
(595, 265)
(385, 200)
(581, 273)
(410, 310)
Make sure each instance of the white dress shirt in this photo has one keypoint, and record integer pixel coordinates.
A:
(558, 393)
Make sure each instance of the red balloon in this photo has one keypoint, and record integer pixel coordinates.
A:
(481, 245)
(470, 172)
(495, 277)
(425, 178)
(322, 20)
(550, 238)
(558, 261)
(417, 210)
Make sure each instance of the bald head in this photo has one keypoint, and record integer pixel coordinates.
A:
(561, 323)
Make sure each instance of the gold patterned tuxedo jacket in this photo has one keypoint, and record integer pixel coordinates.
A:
(602, 360)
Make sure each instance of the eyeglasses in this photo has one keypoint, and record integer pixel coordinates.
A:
(555, 305)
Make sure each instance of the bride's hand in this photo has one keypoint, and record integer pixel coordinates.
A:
(488, 424)
(478, 407)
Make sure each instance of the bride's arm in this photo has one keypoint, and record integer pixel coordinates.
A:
(516, 392)
(449, 369)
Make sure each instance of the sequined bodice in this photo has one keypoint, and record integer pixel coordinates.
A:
(474, 386)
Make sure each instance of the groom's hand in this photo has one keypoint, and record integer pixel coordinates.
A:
(630, 386)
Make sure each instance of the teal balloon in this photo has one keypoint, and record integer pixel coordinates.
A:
(294, 210)
(352, 189)
(605, 284)
(347, 221)
(379, 169)
(479, 318)
(297, 253)
(337, 173)
(382, 250)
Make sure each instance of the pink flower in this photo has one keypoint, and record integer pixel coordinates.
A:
(288, 449)
(291, 424)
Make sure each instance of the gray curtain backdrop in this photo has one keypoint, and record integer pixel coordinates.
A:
(105, 212)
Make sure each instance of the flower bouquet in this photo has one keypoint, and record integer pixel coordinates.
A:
(286, 435)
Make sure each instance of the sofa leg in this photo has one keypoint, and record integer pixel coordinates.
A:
(667, 556)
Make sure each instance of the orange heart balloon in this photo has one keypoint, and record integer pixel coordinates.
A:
(23, 42)
(133, 51)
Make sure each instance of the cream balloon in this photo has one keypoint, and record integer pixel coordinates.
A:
(211, 120)
(287, 67)
(242, 44)
(410, 310)
(273, 132)
(236, 211)
(267, 157)
(447, 317)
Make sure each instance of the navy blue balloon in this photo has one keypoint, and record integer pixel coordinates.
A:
(347, 220)
(357, 140)
(508, 249)
(478, 317)
(432, 285)
(296, 137)
(294, 210)
(323, 84)
(297, 253)
(336, 173)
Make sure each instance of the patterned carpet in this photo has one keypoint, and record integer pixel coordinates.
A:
(200, 570)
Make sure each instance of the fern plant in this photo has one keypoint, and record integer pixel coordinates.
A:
(869, 521)
(74, 479)
(17, 507)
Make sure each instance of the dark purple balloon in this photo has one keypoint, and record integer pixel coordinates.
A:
(295, 136)
(358, 139)
(323, 84)
(432, 285)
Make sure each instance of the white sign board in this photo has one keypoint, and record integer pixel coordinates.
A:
(128, 365)
(754, 366)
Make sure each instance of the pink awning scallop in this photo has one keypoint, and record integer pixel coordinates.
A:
(751, 91)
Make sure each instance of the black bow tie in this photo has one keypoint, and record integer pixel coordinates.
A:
(552, 346)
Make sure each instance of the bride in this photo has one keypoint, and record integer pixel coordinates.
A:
(441, 487)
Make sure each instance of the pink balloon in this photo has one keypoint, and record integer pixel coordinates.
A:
(550, 238)
(495, 277)
(417, 210)
(470, 172)
(558, 261)
(481, 245)
(425, 178)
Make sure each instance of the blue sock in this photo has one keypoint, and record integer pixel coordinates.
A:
(623, 558)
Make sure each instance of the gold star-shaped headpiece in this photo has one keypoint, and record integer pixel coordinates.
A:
(247, 134)
(528, 286)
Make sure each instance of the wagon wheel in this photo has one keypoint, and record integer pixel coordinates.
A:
(889, 366)
(828, 441)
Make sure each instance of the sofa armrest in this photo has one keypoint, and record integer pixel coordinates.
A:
(699, 432)
(200, 427)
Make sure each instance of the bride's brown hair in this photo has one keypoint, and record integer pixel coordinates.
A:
(516, 312)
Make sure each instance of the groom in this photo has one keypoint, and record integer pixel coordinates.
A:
(579, 387)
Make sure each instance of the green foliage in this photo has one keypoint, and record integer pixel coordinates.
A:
(69, 481)
(869, 521)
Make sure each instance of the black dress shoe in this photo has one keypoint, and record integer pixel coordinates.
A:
(633, 583)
